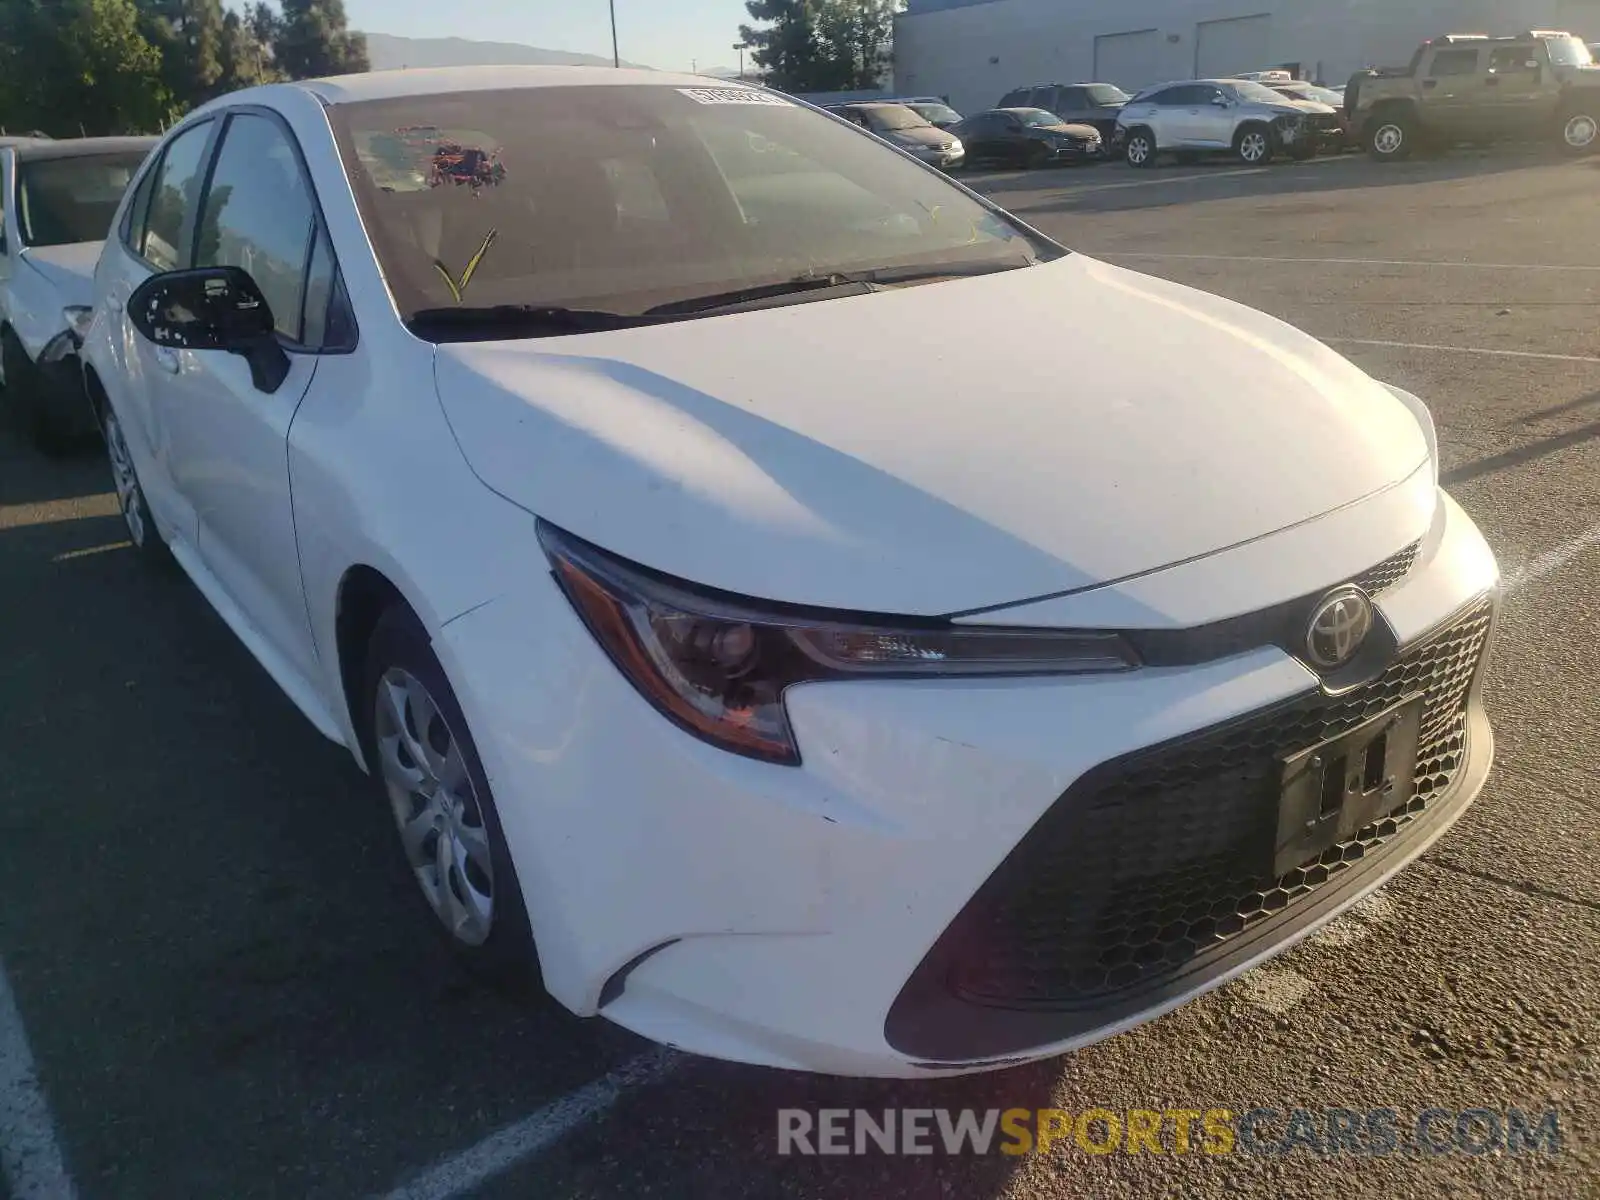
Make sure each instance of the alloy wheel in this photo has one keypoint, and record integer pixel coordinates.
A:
(1138, 151)
(1580, 131)
(129, 498)
(435, 807)
(1253, 147)
(1388, 139)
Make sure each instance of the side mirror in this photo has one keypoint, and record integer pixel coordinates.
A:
(212, 308)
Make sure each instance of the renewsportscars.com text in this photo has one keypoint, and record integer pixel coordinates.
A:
(1373, 1132)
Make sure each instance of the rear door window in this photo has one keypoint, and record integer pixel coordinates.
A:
(165, 241)
(1454, 62)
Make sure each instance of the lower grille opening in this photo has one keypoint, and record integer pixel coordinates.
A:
(1152, 864)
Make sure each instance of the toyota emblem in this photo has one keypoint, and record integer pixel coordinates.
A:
(1339, 625)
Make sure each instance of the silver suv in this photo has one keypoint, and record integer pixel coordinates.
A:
(1230, 115)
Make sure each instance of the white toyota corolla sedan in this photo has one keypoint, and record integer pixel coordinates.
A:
(578, 448)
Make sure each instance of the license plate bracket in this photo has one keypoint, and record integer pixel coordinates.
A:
(1335, 788)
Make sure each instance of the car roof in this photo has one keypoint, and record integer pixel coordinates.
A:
(83, 147)
(433, 81)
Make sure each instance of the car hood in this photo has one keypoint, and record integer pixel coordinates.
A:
(1070, 129)
(1301, 106)
(836, 454)
(69, 269)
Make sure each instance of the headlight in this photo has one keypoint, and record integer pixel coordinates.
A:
(78, 318)
(956, 147)
(718, 665)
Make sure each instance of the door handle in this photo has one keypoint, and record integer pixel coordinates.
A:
(167, 360)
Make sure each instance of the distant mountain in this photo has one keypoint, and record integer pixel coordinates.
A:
(389, 53)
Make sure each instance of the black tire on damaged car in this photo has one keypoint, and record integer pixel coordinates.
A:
(1140, 149)
(1579, 130)
(1391, 136)
(1255, 144)
(26, 401)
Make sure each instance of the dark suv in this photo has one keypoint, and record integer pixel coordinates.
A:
(1095, 104)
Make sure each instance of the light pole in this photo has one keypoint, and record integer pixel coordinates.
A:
(616, 59)
(741, 47)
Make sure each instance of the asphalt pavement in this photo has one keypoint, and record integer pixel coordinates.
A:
(228, 989)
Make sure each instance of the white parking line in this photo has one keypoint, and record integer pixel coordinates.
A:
(499, 1152)
(30, 1156)
(1348, 262)
(1576, 358)
(1552, 560)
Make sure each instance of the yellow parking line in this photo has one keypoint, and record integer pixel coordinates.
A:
(55, 512)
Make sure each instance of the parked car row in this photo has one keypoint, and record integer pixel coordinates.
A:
(534, 429)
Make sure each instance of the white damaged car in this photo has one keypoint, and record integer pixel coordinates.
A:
(782, 696)
(57, 199)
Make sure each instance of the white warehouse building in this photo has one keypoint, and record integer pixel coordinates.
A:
(974, 51)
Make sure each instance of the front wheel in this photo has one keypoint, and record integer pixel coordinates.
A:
(1391, 138)
(1141, 149)
(1580, 129)
(423, 755)
(1253, 145)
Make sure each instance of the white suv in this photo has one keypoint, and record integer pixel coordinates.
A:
(1207, 115)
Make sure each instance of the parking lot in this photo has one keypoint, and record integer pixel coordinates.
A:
(225, 981)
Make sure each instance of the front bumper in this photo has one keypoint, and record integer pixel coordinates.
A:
(907, 902)
(943, 159)
(1077, 152)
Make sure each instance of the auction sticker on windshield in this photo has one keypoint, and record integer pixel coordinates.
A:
(732, 96)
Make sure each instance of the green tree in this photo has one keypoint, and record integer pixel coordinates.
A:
(189, 34)
(314, 39)
(856, 37)
(71, 66)
(244, 60)
(821, 45)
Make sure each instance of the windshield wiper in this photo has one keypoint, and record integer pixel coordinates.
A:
(488, 322)
(843, 282)
(799, 285)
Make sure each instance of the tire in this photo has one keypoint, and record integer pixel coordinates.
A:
(1140, 150)
(1254, 145)
(142, 531)
(1391, 137)
(407, 702)
(1580, 129)
(1036, 157)
(1303, 153)
(26, 399)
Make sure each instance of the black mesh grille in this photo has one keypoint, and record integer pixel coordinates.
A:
(1389, 572)
(1160, 862)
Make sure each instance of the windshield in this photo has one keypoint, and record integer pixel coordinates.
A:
(936, 113)
(1037, 117)
(1103, 94)
(624, 198)
(1255, 93)
(1569, 52)
(889, 117)
(61, 201)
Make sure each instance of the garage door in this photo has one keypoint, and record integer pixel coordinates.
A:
(1224, 48)
(1129, 60)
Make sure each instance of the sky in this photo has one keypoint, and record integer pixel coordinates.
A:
(670, 35)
